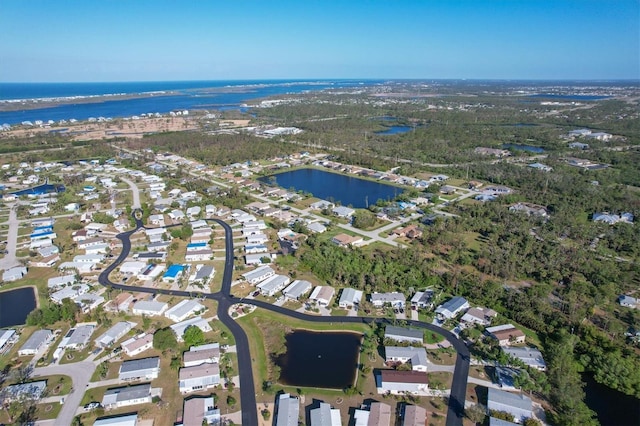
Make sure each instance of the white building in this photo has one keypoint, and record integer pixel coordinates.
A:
(149, 307)
(297, 289)
(126, 396)
(322, 295)
(183, 310)
(137, 345)
(273, 284)
(115, 333)
(198, 378)
(180, 327)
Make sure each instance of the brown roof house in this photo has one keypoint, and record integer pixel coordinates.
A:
(506, 334)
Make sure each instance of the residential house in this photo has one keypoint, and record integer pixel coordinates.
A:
(344, 240)
(321, 205)
(198, 377)
(395, 299)
(80, 267)
(139, 369)
(343, 212)
(183, 310)
(297, 289)
(273, 285)
(529, 209)
(62, 281)
(7, 337)
(411, 232)
(613, 218)
(70, 292)
(628, 301)
(14, 274)
(506, 334)
(115, 333)
(287, 410)
(132, 268)
(31, 390)
(540, 166)
(401, 334)
(126, 396)
(149, 308)
(322, 295)
(180, 327)
(137, 345)
(203, 354)
(403, 354)
(451, 308)
(413, 415)
(316, 227)
(36, 342)
(324, 415)
(78, 337)
(123, 420)
(258, 275)
(350, 298)
(174, 273)
(379, 414)
(480, 316)
(422, 299)
(397, 382)
(198, 410)
(202, 274)
(520, 406)
(198, 255)
(530, 356)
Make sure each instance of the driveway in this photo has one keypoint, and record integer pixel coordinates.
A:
(9, 260)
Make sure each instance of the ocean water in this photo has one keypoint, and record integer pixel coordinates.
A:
(189, 95)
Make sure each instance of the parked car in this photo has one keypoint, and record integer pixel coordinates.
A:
(92, 405)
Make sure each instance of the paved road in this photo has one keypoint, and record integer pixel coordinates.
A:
(80, 373)
(135, 191)
(9, 260)
(455, 410)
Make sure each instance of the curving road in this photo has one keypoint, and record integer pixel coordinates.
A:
(224, 298)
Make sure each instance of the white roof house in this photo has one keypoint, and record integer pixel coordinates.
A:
(149, 308)
(401, 334)
(322, 295)
(30, 390)
(14, 274)
(132, 268)
(350, 297)
(115, 333)
(6, 337)
(324, 415)
(198, 377)
(296, 289)
(395, 299)
(530, 356)
(126, 396)
(259, 274)
(77, 337)
(81, 267)
(520, 406)
(69, 292)
(422, 299)
(57, 282)
(416, 356)
(183, 310)
(288, 410)
(273, 284)
(342, 211)
(124, 420)
(180, 327)
(89, 258)
(452, 307)
(35, 342)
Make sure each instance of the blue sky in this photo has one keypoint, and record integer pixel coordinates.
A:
(208, 40)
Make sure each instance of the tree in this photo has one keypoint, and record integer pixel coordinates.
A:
(231, 401)
(476, 413)
(363, 219)
(193, 336)
(164, 339)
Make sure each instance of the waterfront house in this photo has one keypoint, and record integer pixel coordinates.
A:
(532, 357)
(396, 300)
(378, 414)
(628, 301)
(287, 410)
(14, 274)
(403, 354)
(343, 212)
(324, 415)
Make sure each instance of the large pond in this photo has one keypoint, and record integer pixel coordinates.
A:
(319, 359)
(529, 148)
(15, 305)
(611, 407)
(394, 130)
(40, 189)
(335, 187)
